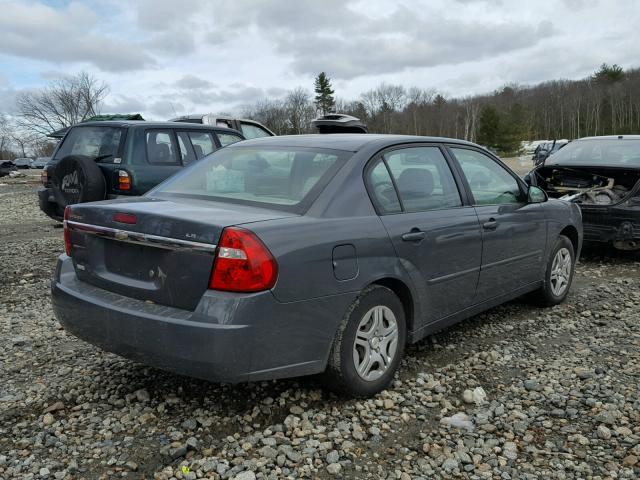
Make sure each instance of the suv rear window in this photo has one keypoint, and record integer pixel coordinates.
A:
(283, 176)
(95, 142)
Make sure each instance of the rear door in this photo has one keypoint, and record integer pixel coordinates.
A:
(157, 157)
(435, 234)
(513, 231)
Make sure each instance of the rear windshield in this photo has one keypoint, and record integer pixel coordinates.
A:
(605, 152)
(101, 143)
(275, 177)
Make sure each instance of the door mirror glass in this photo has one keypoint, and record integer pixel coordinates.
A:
(537, 195)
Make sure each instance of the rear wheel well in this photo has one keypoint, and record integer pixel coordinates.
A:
(404, 294)
(572, 234)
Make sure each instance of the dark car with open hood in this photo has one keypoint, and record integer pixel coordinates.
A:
(287, 256)
(602, 176)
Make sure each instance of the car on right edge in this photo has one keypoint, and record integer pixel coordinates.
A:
(602, 176)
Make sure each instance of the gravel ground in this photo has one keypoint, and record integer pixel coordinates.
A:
(517, 392)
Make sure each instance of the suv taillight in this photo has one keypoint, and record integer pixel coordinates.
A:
(67, 234)
(243, 263)
(44, 177)
(124, 180)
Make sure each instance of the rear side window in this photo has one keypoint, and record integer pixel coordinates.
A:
(228, 138)
(161, 148)
(423, 179)
(253, 131)
(202, 143)
(95, 142)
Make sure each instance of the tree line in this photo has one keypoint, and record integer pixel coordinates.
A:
(605, 103)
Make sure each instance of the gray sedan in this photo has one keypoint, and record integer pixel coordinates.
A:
(289, 256)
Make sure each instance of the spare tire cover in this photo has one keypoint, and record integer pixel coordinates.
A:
(77, 179)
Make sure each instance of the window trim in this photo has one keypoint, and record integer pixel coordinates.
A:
(172, 134)
(372, 162)
(521, 185)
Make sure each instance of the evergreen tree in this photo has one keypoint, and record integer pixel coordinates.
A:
(489, 129)
(609, 74)
(324, 100)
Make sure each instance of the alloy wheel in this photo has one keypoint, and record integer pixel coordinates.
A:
(376, 343)
(561, 272)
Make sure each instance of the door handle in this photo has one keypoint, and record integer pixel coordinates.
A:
(414, 236)
(491, 224)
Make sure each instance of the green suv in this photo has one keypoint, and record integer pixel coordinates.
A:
(103, 160)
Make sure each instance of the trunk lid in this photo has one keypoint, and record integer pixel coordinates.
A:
(165, 256)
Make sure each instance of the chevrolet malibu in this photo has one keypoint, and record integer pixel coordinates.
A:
(289, 256)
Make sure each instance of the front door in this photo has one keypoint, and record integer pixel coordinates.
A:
(514, 231)
(436, 236)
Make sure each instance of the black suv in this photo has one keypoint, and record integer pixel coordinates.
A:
(99, 160)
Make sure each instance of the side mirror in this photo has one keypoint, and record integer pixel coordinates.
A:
(536, 195)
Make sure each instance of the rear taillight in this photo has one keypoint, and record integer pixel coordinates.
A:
(67, 233)
(243, 263)
(124, 180)
(44, 177)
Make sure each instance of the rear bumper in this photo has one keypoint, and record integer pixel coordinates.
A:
(48, 205)
(228, 338)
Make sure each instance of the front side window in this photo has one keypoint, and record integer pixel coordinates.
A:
(100, 143)
(161, 148)
(423, 179)
(202, 143)
(490, 182)
(282, 176)
(253, 131)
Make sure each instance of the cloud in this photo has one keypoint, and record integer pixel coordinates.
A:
(190, 81)
(308, 32)
(123, 104)
(199, 56)
(66, 35)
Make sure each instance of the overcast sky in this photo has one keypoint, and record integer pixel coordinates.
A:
(166, 57)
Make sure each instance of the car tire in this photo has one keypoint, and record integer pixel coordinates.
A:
(77, 179)
(558, 274)
(368, 345)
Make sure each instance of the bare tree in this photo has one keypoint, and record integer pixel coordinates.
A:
(24, 141)
(62, 103)
(6, 136)
(300, 110)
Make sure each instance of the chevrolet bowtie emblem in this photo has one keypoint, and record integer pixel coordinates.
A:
(120, 235)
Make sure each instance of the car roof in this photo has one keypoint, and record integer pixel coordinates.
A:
(343, 141)
(612, 137)
(151, 124)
